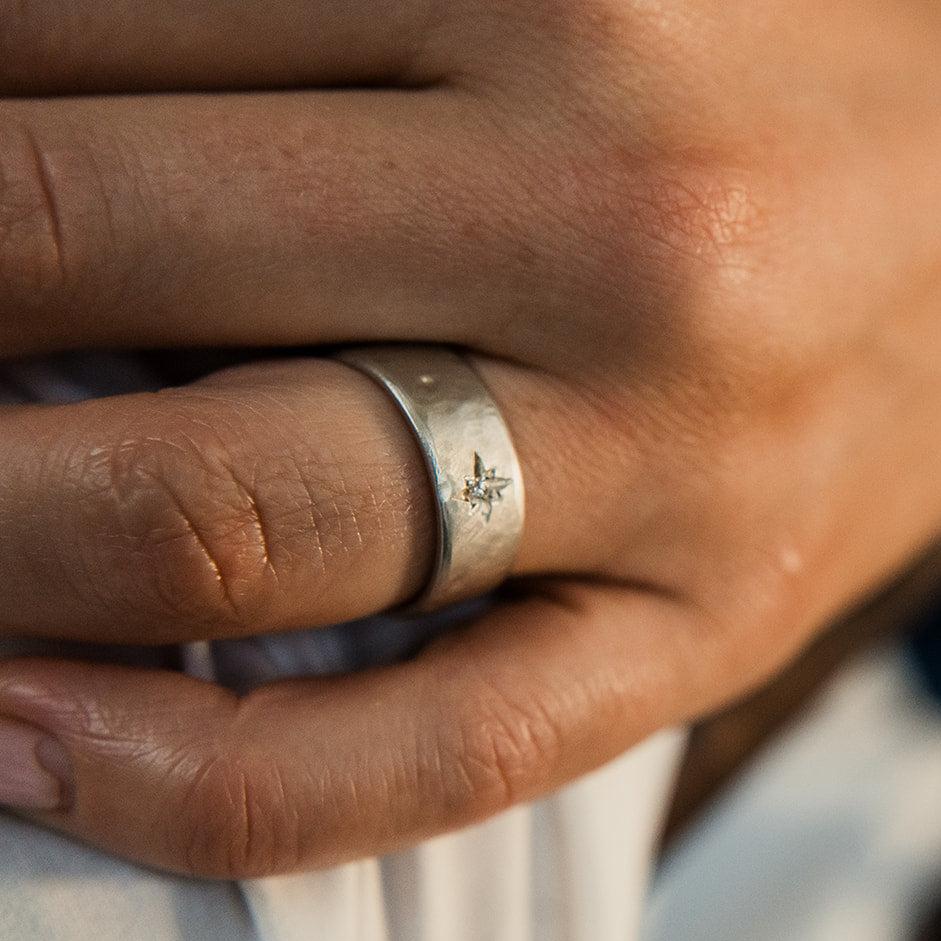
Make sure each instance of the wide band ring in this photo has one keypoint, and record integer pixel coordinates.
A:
(471, 462)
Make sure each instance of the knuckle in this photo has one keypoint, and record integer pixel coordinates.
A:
(202, 524)
(663, 214)
(235, 822)
(499, 757)
(32, 259)
(696, 238)
(180, 533)
(708, 214)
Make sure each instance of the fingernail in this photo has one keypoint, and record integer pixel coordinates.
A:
(35, 770)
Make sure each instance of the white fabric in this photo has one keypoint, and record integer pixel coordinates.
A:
(54, 889)
(835, 832)
(574, 867)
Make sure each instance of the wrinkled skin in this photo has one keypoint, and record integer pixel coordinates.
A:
(695, 250)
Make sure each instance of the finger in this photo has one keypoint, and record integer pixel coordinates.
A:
(251, 220)
(49, 48)
(264, 498)
(180, 774)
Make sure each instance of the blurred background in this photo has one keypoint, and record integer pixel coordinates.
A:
(812, 812)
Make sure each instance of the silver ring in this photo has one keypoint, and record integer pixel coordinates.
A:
(471, 461)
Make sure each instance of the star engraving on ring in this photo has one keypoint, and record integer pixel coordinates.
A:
(484, 487)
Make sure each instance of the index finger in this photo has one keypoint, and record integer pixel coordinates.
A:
(180, 774)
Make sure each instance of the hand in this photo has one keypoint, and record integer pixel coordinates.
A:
(695, 249)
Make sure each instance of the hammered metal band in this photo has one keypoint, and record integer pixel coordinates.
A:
(471, 462)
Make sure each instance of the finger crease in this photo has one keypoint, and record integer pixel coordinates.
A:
(47, 190)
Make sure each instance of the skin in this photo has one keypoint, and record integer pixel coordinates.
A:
(694, 249)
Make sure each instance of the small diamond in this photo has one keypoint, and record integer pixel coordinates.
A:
(484, 487)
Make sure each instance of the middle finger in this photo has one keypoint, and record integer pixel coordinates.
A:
(252, 220)
(128, 45)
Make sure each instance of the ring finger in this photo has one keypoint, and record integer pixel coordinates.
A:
(267, 497)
